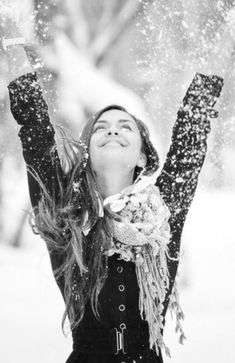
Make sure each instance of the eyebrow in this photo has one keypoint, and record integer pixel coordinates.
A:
(120, 121)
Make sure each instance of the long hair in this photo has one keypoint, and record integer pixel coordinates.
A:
(81, 267)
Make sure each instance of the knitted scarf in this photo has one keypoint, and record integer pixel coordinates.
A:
(142, 236)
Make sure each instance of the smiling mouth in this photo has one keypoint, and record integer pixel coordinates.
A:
(114, 142)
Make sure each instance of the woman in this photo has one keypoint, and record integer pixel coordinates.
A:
(113, 234)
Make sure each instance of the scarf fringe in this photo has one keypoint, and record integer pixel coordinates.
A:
(153, 281)
(174, 307)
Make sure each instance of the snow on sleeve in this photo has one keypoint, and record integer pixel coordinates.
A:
(26, 100)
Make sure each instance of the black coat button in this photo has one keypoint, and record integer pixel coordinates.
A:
(119, 269)
(121, 307)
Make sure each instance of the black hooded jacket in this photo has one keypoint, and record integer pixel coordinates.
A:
(99, 341)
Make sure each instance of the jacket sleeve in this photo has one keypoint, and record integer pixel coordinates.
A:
(30, 110)
(179, 177)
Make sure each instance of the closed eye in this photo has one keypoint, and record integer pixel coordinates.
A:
(101, 127)
(127, 126)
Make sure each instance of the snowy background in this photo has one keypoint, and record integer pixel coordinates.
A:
(141, 54)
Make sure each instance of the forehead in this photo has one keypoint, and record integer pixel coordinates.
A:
(115, 115)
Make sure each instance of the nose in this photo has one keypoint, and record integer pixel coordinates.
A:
(112, 131)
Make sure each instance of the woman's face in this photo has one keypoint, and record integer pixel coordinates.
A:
(115, 142)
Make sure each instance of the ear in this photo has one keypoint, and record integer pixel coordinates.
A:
(142, 161)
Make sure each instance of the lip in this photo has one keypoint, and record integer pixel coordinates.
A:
(114, 141)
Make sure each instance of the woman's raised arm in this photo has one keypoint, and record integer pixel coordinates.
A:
(179, 177)
(30, 110)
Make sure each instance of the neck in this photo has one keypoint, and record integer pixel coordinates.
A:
(112, 181)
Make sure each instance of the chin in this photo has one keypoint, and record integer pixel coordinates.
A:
(114, 158)
(112, 163)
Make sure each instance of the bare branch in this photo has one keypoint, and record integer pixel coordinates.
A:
(78, 26)
(115, 30)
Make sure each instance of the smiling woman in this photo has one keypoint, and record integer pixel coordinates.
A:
(112, 231)
(115, 151)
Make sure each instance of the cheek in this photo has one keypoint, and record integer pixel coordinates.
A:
(136, 146)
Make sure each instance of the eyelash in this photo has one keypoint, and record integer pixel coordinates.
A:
(98, 128)
(127, 126)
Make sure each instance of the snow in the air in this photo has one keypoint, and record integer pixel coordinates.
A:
(87, 57)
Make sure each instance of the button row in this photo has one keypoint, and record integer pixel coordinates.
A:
(121, 288)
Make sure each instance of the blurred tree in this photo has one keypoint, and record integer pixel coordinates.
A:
(141, 54)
